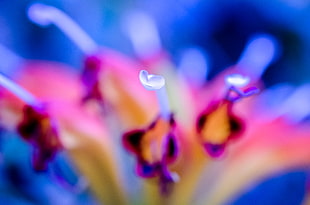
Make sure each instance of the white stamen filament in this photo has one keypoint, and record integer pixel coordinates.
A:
(157, 83)
(44, 15)
(163, 103)
(258, 54)
(194, 66)
(143, 33)
(18, 91)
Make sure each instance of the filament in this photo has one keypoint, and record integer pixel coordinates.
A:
(258, 54)
(157, 83)
(143, 34)
(194, 66)
(10, 60)
(17, 90)
(44, 15)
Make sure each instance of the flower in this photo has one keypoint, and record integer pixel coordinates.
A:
(191, 144)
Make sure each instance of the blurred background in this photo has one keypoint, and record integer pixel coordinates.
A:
(220, 29)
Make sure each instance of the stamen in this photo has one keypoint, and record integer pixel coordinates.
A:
(258, 54)
(10, 61)
(273, 99)
(234, 82)
(194, 66)
(18, 91)
(237, 80)
(157, 83)
(146, 41)
(296, 106)
(45, 15)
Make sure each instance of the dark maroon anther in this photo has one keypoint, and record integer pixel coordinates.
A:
(155, 148)
(38, 129)
(217, 126)
(90, 78)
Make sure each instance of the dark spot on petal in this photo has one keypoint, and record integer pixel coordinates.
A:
(214, 150)
(131, 140)
(27, 129)
(147, 170)
(235, 125)
(152, 125)
(172, 120)
(172, 149)
(201, 121)
(92, 63)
